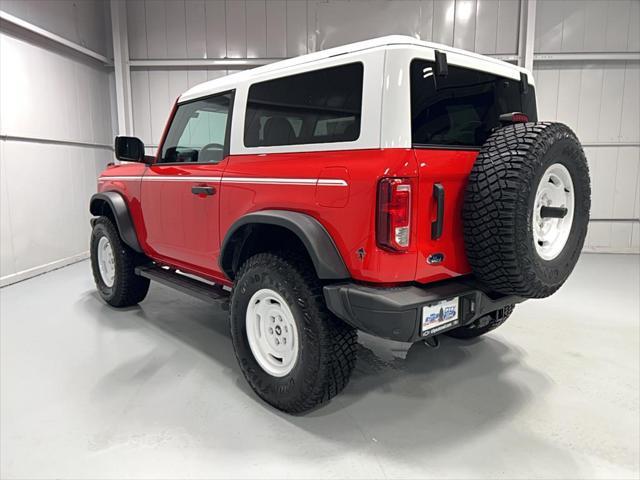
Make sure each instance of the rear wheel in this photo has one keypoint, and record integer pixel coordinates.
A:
(293, 352)
(113, 265)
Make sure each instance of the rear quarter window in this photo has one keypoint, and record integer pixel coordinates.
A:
(463, 108)
(321, 106)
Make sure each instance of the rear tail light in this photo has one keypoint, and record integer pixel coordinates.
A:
(393, 225)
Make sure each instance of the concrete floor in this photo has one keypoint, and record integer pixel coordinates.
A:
(155, 392)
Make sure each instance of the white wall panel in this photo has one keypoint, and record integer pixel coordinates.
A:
(464, 35)
(633, 40)
(337, 23)
(296, 28)
(487, 26)
(175, 14)
(70, 103)
(601, 101)
(626, 200)
(276, 28)
(157, 28)
(443, 19)
(596, 25)
(236, 29)
(36, 165)
(630, 119)
(611, 102)
(160, 101)
(7, 256)
(587, 26)
(508, 22)
(618, 15)
(83, 22)
(141, 105)
(256, 12)
(196, 25)
(283, 28)
(137, 29)
(615, 185)
(215, 13)
(573, 26)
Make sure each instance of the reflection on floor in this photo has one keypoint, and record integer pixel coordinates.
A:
(154, 392)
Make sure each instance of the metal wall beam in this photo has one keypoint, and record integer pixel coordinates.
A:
(52, 141)
(51, 37)
(121, 67)
(231, 63)
(587, 56)
(526, 33)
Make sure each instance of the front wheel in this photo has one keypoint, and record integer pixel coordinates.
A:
(293, 352)
(113, 264)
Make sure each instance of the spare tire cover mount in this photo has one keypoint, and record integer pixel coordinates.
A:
(526, 209)
(550, 234)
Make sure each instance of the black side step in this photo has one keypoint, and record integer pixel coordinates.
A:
(202, 290)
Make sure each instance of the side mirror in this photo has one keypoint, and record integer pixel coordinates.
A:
(130, 149)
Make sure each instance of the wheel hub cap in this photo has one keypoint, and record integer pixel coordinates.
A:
(272, 332)
(553, 211)
(106, 261)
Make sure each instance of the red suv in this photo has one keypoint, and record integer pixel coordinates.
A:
(394, 186)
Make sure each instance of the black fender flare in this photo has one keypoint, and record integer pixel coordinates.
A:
(118, 205)
(324, 254)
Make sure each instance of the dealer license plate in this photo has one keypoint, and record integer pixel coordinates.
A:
(440, 316)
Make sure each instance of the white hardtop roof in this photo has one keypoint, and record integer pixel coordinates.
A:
(230, 81)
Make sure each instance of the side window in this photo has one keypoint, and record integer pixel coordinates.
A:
(462, 108)
(199, 131)
(322, 106)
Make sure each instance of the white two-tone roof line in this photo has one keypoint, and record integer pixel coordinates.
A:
(325, 182)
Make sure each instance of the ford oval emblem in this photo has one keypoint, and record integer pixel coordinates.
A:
(435, 258)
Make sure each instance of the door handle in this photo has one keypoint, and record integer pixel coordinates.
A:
(202, 190)
(437, 224)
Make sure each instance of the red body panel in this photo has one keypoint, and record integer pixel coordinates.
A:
(180, 225)
(348, 213)
(450, 168)
(184, 230)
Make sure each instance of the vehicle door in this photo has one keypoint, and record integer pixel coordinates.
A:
(180, 191)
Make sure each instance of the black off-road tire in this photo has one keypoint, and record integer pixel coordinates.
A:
(499, 202)
(128, 288)
(327, 346)
(482, 325)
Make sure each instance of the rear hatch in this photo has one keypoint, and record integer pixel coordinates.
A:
(451, 117)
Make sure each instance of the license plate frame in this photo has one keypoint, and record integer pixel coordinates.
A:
(440, 316)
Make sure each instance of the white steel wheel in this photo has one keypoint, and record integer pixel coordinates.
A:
(551, 232)
(272, 332)
(106, 261)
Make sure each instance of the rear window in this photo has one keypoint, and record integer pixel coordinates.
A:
(462, 108)
(322, 106)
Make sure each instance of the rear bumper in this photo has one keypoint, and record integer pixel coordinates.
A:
(395, 313)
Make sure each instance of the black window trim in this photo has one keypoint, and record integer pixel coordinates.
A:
(470, 148)
(227, 135)
(360, 116)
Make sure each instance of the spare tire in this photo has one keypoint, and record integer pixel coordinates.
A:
(526, 209)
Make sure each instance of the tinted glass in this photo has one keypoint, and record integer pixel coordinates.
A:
(462, 108)
(198, 132)
(315, 107)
